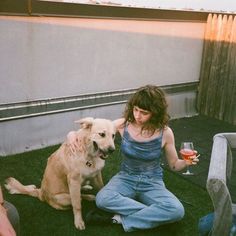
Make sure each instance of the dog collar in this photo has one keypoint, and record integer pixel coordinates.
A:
(89, 163)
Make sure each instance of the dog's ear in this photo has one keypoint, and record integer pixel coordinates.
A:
(85, 123)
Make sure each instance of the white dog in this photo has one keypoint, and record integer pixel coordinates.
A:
(67, 171)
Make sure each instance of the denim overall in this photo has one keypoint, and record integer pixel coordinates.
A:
(138, 192)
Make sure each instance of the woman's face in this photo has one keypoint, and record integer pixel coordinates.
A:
(141, 116)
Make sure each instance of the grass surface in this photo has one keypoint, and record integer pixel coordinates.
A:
(38, 218)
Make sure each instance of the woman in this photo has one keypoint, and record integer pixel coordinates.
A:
(137, 194)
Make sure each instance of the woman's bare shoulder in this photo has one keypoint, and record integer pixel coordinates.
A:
(167, 132)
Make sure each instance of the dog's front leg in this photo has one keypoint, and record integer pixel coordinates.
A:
(97, 181)
(74, 183)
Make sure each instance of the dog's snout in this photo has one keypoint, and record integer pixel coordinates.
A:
(95, 145)
(111, 150)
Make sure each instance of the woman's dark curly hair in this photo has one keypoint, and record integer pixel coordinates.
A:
(150, 98)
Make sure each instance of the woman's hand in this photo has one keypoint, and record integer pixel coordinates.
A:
(193, 160)
(71, 141)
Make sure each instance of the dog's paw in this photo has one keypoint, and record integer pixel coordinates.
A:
(88, 197)
(10, 185)
(86, 187)
(79, 223)
(31, 187)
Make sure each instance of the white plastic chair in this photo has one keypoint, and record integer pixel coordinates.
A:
(219, 173)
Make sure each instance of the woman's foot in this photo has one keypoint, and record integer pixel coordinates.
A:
(97, 216)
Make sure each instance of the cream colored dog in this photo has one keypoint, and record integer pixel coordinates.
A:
(67, 171)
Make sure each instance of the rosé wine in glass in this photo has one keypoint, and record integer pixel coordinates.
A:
(186, 151)
(186, 154)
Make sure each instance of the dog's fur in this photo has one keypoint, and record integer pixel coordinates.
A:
(67, 171)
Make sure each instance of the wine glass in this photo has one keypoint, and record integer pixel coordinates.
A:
(186, 151)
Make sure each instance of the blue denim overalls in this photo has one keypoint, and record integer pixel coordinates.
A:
(138, 192)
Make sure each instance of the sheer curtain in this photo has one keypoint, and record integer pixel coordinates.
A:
(217, 87)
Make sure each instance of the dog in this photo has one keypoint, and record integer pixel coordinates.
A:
(68, 170)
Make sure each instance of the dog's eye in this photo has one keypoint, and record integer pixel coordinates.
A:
(113, 136)
(102, 135)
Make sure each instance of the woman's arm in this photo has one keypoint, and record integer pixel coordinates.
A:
(174, 162)
(119, 125)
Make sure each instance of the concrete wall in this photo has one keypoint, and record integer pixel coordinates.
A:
(45, 59)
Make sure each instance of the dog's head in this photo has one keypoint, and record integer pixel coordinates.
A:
(102, 135)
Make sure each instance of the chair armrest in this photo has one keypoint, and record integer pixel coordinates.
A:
(219, 170)
(231, 138)
(218, 162)
(222, 203)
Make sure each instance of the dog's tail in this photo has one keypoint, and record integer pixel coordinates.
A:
(15, 187)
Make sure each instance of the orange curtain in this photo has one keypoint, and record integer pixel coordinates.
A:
(217, 86)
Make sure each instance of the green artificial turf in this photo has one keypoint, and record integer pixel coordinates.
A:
(38, 218)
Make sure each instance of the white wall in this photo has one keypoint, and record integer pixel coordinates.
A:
(27, 134)
(49, 57)
(33, 133)
(52, 57)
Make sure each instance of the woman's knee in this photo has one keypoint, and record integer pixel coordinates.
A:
(174, 211)
(178, 212)
(99, 198)
(103, 198)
